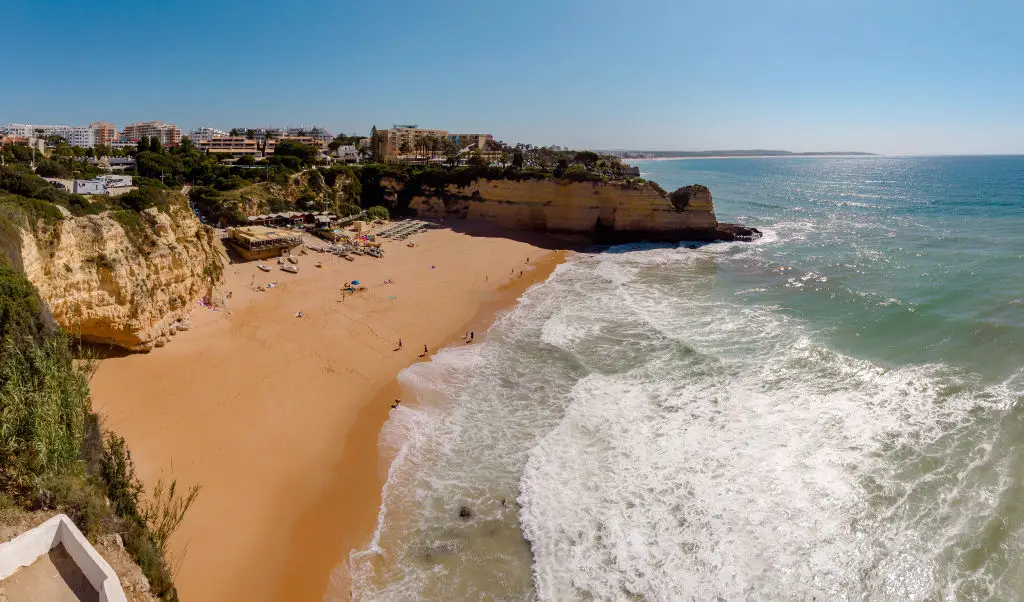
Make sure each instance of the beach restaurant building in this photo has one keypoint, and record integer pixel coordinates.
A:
(260, 242)
(293, 218)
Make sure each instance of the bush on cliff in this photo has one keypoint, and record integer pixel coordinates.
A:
(29, 210)
(19, 180)
(577, 173)
(145, 197)
(21, 310)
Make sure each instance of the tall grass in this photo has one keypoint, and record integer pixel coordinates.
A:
(43, 403)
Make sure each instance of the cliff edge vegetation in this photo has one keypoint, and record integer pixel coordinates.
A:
(54, 455)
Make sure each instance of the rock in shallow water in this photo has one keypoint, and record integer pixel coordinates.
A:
(733, 232)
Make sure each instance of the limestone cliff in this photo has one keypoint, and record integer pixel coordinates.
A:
(608, 211)
(123, 278)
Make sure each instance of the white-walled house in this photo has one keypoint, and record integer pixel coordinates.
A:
(347, 153)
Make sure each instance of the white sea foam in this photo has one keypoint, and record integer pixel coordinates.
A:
(670, 442)
(764, 466)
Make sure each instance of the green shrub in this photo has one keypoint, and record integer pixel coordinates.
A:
(347, 209)
(49, 168)
(43, 401)
(31, 209)
(21, 309)
(81, 498)
(118, 471)
(377, 212)
(577, 173)
(145, 197)
(80, 205)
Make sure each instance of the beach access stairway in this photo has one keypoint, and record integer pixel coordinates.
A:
(29, 547)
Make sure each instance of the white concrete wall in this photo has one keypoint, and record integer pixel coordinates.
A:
(24, 549)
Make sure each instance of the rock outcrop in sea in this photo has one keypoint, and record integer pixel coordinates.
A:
(606, 211)
(130, 282)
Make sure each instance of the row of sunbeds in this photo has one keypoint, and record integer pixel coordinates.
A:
(404, 230)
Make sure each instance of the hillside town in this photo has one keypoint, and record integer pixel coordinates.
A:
(406, 143)
(104, 150)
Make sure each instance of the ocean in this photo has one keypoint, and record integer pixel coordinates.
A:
(831, 412)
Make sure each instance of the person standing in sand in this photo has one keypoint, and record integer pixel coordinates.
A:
(399, 343)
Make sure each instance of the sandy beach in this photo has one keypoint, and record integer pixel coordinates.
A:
(277, 417)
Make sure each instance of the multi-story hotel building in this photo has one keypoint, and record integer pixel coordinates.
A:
(167, 133)
(388, 143)
(236, 146)
(103, 133)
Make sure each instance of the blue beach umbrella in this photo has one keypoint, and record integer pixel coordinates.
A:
(355, 282)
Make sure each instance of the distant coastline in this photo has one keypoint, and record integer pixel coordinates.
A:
(727, 154)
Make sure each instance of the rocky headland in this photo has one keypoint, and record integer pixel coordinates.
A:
(614, 211)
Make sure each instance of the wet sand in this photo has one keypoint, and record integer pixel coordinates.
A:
(277, 417)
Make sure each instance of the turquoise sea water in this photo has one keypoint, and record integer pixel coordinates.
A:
(830, 412)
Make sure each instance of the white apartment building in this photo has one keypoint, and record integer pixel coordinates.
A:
(82, 136)
(204, 134)
(261, 134)
(28, 130)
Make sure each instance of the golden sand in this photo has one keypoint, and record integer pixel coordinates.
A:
(277, 417)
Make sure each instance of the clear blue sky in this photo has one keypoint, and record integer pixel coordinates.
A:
(888, 76)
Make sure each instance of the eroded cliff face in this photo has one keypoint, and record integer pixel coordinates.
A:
(614, 211)
(132, 284)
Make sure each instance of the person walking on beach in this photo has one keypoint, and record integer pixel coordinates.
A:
(425, 352)
(471, 335)
(399, 343)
